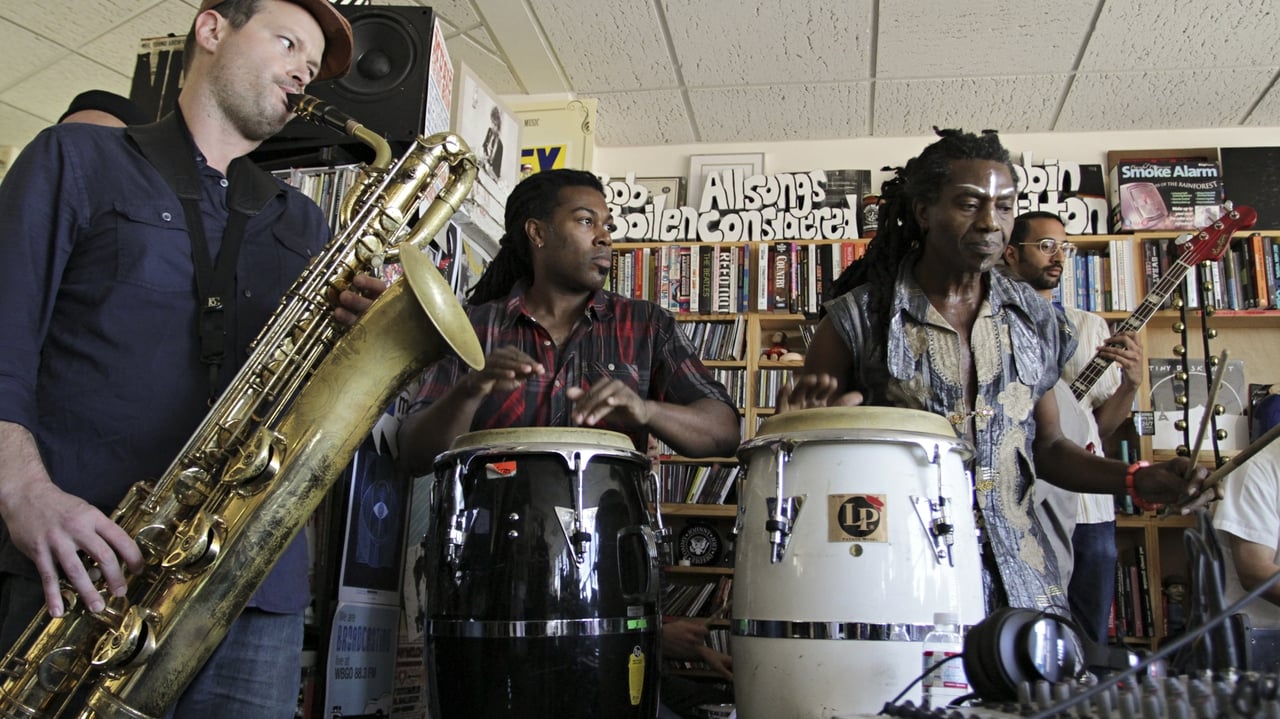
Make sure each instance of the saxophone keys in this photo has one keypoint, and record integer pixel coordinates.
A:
(125, 643)
(195, 546)
(259, 459)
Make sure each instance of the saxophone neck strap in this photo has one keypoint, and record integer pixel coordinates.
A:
(168, 147)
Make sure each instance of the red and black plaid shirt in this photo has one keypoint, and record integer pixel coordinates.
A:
(630, 340)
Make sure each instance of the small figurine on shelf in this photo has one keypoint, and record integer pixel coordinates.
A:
(778, 348)
(1175, 595)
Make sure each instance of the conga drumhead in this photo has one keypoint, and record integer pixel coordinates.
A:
(821, 419)
(544, 435)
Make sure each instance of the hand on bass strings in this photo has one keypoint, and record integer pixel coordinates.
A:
(505, 369)
(811, 390)
(359, 295)
(1125, 350)
(54, 528)
(611, 397)
(1167, 483)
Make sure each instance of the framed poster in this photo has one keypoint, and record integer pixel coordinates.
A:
(672, 188)
(491, 130)
(555, 135)
(701, 166)
(373, 551)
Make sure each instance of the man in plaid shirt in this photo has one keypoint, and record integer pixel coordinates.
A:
(561, 351)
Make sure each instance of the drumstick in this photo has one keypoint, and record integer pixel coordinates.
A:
(1208, 412)
(1240, 458)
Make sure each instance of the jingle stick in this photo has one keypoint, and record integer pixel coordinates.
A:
(1208, 412)
(1214, 479)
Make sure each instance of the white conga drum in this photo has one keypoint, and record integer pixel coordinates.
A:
(836, 585)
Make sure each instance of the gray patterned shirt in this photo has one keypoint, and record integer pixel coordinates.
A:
(1018, 346)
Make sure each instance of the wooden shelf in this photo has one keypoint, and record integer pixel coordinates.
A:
(708, 571)
(699, 510)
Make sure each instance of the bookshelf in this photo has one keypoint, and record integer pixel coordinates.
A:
(1119, 266)
(1246, 327)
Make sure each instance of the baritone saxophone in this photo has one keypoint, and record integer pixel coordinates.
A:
(215, 523)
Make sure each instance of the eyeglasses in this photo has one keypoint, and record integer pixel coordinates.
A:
(1051, 247)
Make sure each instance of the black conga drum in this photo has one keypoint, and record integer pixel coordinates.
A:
(542, 578)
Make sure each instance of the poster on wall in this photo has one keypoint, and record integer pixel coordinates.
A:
(1074, 192)
(374, 545)
(491, 130)
(362, 661)
(556, 135)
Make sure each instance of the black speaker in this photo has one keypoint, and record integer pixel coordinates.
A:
(386, 90)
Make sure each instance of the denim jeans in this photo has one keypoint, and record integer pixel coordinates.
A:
(1093, 578)
(255, 672)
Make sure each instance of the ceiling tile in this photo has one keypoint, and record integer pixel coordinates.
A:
(458, 13)
(1267, 113)
(47, 93)
(621, 47)
(1007, 104)
(642, 117)
(1191, 34)
(74, 24)
(118, 49)
(728, 42)
(920, 39)
(813, 111)
(1157, 100)
(488, 67)
(480, 36)
(17, 127)
(22, 53)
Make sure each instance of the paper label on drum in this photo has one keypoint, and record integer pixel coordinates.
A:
(857, 518)
(635, 674)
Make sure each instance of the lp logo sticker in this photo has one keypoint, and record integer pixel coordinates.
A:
(857, 518)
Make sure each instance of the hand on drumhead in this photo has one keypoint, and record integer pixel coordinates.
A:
(505, 370)
(608, 397)
(683, 638)
(815, 390)
(718, 662)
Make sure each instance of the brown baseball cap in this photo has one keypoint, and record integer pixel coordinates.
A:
(338, 43)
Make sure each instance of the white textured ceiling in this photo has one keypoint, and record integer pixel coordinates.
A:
(681, 71)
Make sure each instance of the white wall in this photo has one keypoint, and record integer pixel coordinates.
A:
(874, 153)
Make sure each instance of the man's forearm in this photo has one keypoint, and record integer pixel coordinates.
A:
(20, 463)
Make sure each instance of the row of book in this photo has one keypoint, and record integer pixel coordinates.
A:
(698, 483)
(708, 600)
(1098, 280)
(718, 340)
(1131, 614)
(1246, 278)
(769, 382)
(735, 381)
(716, 278)
(707, 278)
(797, 277)
(326, 186)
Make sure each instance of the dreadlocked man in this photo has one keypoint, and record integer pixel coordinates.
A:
(563, 352)
(924, 323)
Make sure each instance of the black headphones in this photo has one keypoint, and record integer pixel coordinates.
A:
(1012, 646)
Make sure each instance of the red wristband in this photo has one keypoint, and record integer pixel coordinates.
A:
(1138, 501)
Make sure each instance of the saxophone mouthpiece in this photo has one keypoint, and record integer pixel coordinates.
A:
(318, 112)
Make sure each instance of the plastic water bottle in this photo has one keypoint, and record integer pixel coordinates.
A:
(948, 681)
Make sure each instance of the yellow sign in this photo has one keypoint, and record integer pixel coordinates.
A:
(635, 674)
(537, 159)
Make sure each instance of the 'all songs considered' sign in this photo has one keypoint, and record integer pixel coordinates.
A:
(734, 207)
